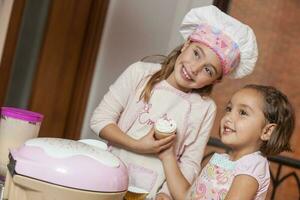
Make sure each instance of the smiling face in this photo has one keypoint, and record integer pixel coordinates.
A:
(197, 66)
(244, 127)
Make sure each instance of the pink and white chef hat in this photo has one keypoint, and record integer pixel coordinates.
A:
(232, 41)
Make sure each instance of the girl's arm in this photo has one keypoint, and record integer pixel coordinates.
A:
(177, 183)
(252, 176)
(243, 187)
(106, 115)
(162, 196)
(146, 144)
(194, 145)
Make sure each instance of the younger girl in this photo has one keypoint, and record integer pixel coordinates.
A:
(258, 122)
(216, 45)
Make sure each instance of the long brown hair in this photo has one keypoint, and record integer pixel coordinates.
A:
(165, 71)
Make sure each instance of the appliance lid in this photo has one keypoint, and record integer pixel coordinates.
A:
(83, 164)
(62, 148)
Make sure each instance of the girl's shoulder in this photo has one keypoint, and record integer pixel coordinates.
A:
(202, 103)
(138, 72)
(197, 99)
(144, 67)
(253, 159)
(256, 166)
(252, 164)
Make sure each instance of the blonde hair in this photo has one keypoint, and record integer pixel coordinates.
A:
(167, 68)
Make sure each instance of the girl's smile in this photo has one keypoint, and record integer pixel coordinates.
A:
(196, 67)
(185, 74)
(227, 130)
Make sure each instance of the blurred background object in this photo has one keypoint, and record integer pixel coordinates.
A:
(5, 12)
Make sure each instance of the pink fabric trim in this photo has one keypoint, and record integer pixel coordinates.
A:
(166, 86)
(226, 49)
(138, 173)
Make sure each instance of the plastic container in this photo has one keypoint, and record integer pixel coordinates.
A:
(74, 164)
(16, 126)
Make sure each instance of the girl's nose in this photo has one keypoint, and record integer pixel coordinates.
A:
(196, 68)
(194, 71)
(228, 117)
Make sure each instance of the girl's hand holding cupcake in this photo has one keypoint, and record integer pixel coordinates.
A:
(148, 144)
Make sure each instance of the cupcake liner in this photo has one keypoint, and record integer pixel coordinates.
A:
(160, 135)
(135, 196)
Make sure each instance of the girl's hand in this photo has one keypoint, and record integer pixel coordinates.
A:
(163, 155)
(162, 196)
(149, 145)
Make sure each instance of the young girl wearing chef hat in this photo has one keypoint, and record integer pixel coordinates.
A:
(216, 45)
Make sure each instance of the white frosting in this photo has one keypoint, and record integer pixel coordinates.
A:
(165, 125)
(64, 148)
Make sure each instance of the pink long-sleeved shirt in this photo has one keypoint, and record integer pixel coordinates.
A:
(193, 114)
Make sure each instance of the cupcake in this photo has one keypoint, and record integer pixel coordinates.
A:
(164, 128)
(135, 193)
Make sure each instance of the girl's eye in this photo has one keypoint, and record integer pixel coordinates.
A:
(208, 71)
(196, 54)
(227, 109)
(243, 112)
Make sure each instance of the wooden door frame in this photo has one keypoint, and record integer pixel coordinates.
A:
(222, 4)
(86, 69)
(66, 64)
(10, 45)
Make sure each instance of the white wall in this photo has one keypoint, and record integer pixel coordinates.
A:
(134, 29)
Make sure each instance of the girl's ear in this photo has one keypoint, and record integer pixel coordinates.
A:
(267, 131)
(185, 45)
